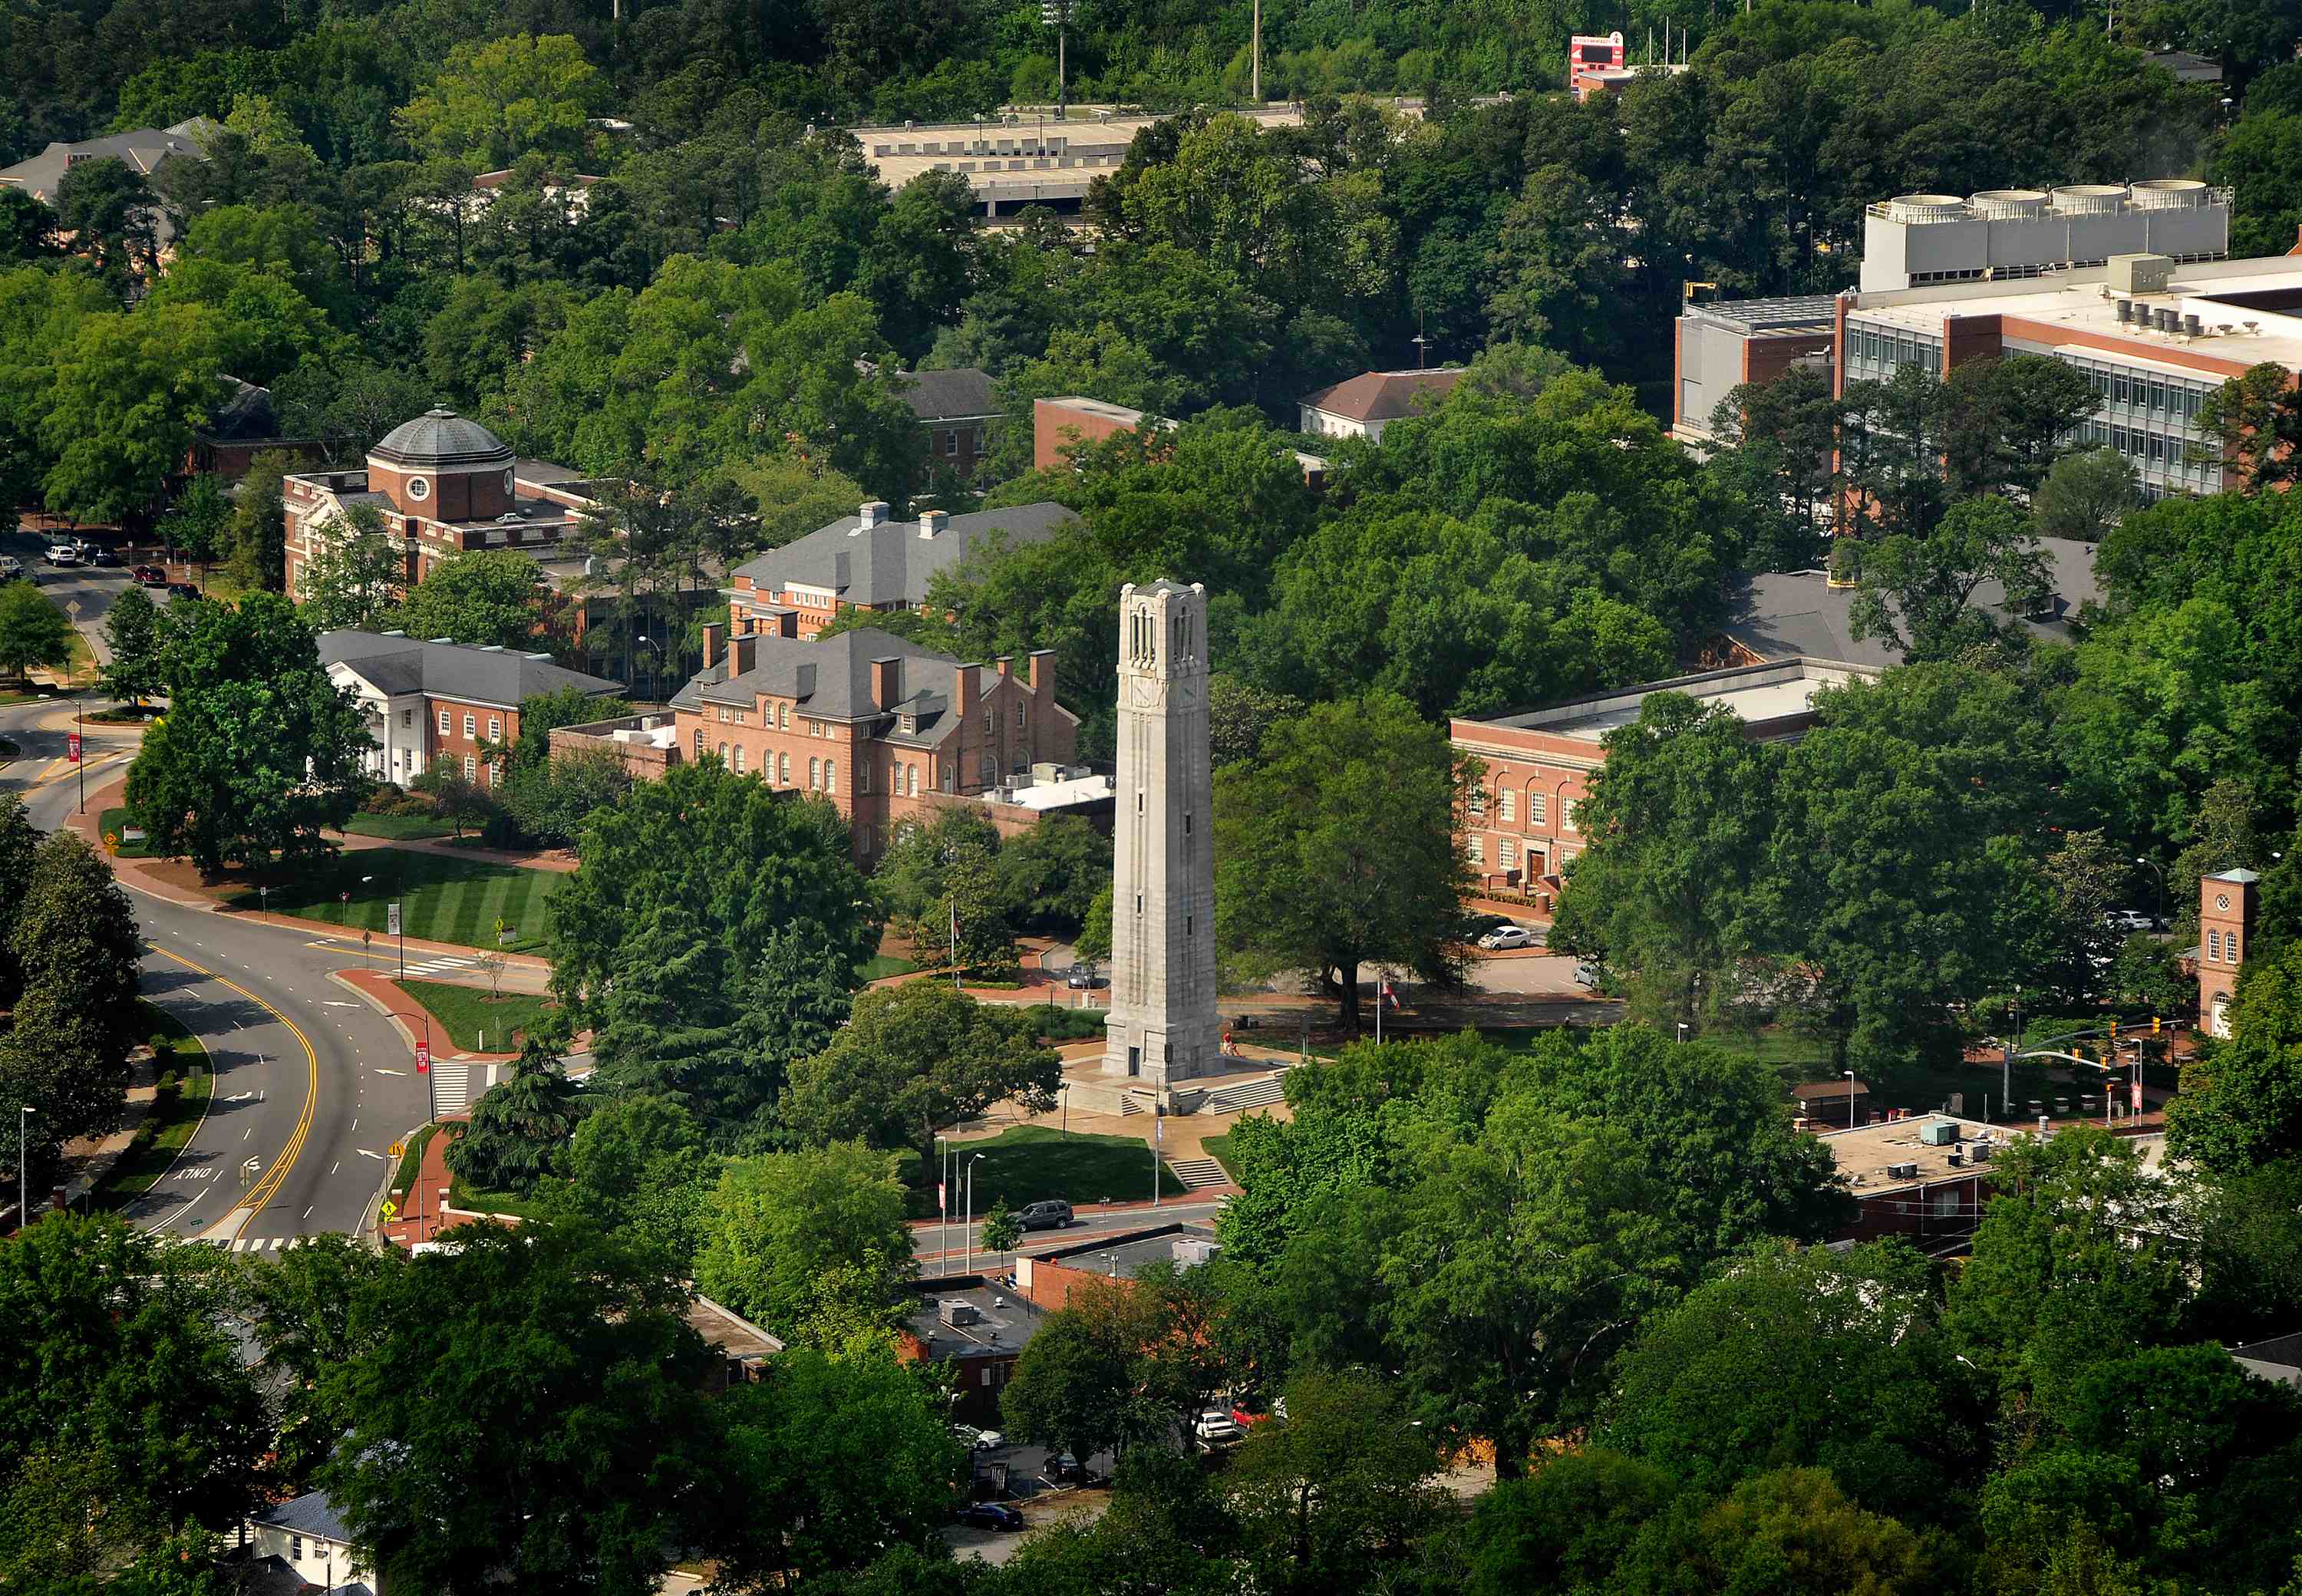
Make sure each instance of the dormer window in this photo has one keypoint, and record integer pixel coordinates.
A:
(910, 724)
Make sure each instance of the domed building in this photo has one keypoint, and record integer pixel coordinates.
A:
(446, 485)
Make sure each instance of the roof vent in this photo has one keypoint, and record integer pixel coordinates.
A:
(1902, 1171)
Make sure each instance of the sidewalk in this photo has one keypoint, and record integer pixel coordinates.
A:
(88, 1160)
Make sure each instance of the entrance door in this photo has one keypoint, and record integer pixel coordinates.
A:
(1135, 1060)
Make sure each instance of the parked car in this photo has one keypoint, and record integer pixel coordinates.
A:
(182, 590)
(967, 1434)
(1053, 1214)
(148, 575)
(99, 556)
(989, 1441)
(991, 1515)
(1588, 974)
(1510, 936)
(1083, 978)
(1215, 1428)
(10, 569)
(2129, 920)
(1062, 1467)
(62, 554)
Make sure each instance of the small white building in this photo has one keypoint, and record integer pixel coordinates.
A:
(309, 1540)
(1364, 404)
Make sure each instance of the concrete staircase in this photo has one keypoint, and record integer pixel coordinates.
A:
(1197, 1173)
(1254, 1094)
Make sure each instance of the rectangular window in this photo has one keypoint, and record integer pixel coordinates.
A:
(951, 441)
(408, 717)
(699, 742)
(471, 726)
(1507, 806)
(2214, 946)
(782, 769)
(495, 728)
(831, 776)
(1022, 711)
(2230, 948)
(723, 715)
(1476, 849)
(2119, 389)
(1478, 800)
(295, 1549)
(1537, 809)
(1567, 813)
(815, 775)
(443, 723)
(1507, 853)
(471, 766)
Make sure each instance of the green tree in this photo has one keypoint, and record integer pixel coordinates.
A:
(111, 213)
(2086, 495)
(556, 1429)
(519, 1126)
(1053, 872)
(132, 628)
(1918, 591)
(129, 390)
(1240, 715)
(356, 577)
(739, 860)
(1125, 1365)
(1338, 848)
(74, 936)
(915, 1059)
(310, 1311)
(551, 802)
(1093, 944)
(28, 229)
(259, 751)
(32, 631)
(1335, 1492)
(791, 1236)
(2256, 421)
(199, 521)
(121, 1392)
(2240, 1105)
(1562, 1528)
(1791, 1532)
(637, 1164)
(1560, 272)
(1676, 820)
(257, 539)
(495, 99)
(488, 596)
(20, 845)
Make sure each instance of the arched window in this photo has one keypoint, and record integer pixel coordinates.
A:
(815, 774)
(738, 766)
(782, 769)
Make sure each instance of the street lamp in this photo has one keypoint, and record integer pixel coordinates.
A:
(1682, 1031)
(24, 1164)
(967, 1227)
(651, 643)
(2165, 900)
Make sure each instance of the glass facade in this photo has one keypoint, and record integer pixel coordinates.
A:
(1873, 352)
(2149, 418)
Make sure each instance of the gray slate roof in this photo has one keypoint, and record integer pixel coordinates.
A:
(399, 663)
(842, 682)
(142, 149)
(959, 394)
(310, 1514)
(1782, 615)
(891, 563)
(440, 437)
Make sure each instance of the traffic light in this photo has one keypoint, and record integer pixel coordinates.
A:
(2155, 1023)
(2113, 1033)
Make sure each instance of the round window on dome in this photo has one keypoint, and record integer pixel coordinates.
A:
(419, 488)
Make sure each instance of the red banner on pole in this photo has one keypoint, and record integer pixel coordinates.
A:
(422, 1057)
(71, 747)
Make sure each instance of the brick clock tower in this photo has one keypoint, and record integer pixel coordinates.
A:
(2226, 905)
(1163, 1022)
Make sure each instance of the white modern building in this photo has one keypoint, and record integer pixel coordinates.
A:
(2003, 234)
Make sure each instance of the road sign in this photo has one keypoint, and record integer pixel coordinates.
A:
(72, 608)
(422, 1057)
(398, 1149)
(390, 1210)
(391, 919)
(72, 746)
(347, 897)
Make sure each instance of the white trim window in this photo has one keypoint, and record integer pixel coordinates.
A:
(738, 766)
(495, 728)
(1506, 808)
(1474, 848)
(1538, 808)
(831, 776)
(444, 724)
(471, 724)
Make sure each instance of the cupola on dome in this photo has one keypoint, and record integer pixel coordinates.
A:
(438, 439)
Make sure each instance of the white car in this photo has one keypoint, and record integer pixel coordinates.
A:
(1506, 937)
(2129, 920)
(989, 1441)
(1215, 1428)
(62, 554)
(11, 567)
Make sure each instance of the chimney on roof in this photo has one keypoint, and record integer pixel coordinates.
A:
(931, 522)
(887, 682)
(1003, 664)
(712, 632)
(1043, 671)
(963, 692)
(743, 653)
(806, 687)
(786, 624)
(874, 513)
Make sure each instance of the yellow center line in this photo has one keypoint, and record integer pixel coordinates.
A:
(269, 1184)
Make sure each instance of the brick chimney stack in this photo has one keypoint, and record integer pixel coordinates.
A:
(887, 682)
(931, 522)
(712, 631)
(1043, 671)
(962, 690)
(874, 513)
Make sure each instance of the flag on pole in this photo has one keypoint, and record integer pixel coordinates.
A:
(942, 1204)
(1384, 992)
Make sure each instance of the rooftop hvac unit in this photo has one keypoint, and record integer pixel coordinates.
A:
(1902, 1171)
(2126, 313)
(2088, 199)
(1190, 1251)
(2169, 194)
(2192, 326)
(1957, 1160)
(1938, 1133)
(1926, 207)
(1979, 1151)
(950, 1310)
(2004, 204)
(2141, 274)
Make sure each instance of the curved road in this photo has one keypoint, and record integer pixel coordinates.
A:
(311, 1083)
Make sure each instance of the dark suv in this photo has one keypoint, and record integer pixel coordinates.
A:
(1051, 1215)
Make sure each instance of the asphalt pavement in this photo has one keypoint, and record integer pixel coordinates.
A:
(312, 1084)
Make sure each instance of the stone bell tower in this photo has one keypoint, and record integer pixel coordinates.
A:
(1163, 1022)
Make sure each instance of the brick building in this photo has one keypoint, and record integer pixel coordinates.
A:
(867, 561)
(887, 730)
(2226, 910)
(1061, 426)
(1363, 406)
(1518, 825)
(429, 701)
(1719, 346)
(958, 418)
(444, 484)
(1920, 1178)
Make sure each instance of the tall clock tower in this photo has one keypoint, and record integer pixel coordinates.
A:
(1163, 1022)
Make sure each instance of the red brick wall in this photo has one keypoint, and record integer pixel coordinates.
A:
(454, 744)
(1913, 1212)
(1526, 765)
(1055, 428)
(2218, 930)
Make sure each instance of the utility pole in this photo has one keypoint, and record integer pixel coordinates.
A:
(24, 1166)
(1254, 57)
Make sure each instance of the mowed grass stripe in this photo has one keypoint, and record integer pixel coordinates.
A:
(445, 899)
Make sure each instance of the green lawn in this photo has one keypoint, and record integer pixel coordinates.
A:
(1219, 1149)
(399, 828)
(1031, 1163)
(883, 965)
(478, 1199)
(412, 1160)
(181, 1065)
(467, 1014)
(447, 899)
(115, 823)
